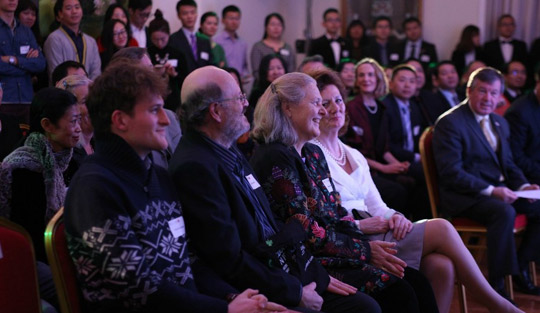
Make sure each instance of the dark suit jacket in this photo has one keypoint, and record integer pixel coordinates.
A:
(436, 104)
(179, 41)
(494, 56)
(322, 47)
(221, 224)
(466, 163)
(458, 58)
(534, 56)
(524, 119)
(397, 136)
(373, 50)
(428, 54)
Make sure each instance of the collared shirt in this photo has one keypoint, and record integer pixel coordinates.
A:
(235, 51)
(139, 34)
(507, 48)
(451, 97)
(409, 49)
(77, 40)
(512, 92)
(336, 47)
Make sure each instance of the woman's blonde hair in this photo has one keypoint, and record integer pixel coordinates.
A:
(70, 82)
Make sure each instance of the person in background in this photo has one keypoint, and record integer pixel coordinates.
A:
(272, 43)
(347, 76)
(382, 47)
(414, 46)
(272, 66)
(20, 59)
(468, 49)
(368, 133)
(26, 12)
(422, 96)
(234, 46)
(468, 71)
(208, 28)
(139, 12)
(515, 77)
(67, 68)
(356, 34)
(447, 95)
(116, 11)
(196, 49)
(114, 37)
(311, 63)
(505, 48)
(69, 43)
(331, 46)
(166, 58)
(78, 85)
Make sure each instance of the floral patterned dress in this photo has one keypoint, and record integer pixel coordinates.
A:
(300, 187)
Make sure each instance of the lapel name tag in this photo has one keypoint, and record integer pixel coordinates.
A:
(205, 56)
(177, 227)
(416, 130)
(253, 182)
(328, 184)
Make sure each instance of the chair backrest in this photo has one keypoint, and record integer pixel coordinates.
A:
(430, 169)
(19, 289)
(62, 267)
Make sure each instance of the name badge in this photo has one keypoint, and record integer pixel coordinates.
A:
(253, 182)
(358, 130)
(284, 52)
(177, 227)
(328, 184)
(425, 58)
(394, 57)
(205, 56)
(25, 49)
(173, 62)
(416, 130)
(345, 53)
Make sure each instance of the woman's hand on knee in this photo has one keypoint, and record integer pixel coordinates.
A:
(383, 257)
(401, 225)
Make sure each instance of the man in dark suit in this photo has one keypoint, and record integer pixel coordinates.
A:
(414, 46)
(447, 96)
(382, 47)
(406, 124)
(515, 76)
(504, 49)
(331, 46)
(220, 194)
(478, 178)
(524, 118)
(197, 50)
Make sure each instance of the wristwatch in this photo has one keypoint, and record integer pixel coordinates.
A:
(12, 60)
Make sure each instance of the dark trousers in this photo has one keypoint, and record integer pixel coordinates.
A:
(499, 218)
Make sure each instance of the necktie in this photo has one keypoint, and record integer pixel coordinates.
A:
(455, 99)
(264, 225)
(413, 51)
(405, 117)
(492, 140)
(193, 45)
(384, 56)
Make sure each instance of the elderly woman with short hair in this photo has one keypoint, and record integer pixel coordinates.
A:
(296, 179)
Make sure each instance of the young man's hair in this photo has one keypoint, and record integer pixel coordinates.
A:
(120, 87)
(230, 8)
(182, 3)
(328, 11)
(435, 71)
(61, 70)
(411, 19)
(382, 18)
(139, 4)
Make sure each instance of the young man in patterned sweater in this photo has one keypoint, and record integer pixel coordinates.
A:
(124, 224)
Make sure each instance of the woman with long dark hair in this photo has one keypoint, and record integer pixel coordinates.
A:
(114, 37)
(209, 26)
(468, 49)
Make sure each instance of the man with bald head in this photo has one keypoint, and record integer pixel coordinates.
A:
(228, 218)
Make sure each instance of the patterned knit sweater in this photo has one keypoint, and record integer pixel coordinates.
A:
(118, 215)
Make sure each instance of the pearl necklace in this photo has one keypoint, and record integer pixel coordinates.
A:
(339, 160)
(371, 109)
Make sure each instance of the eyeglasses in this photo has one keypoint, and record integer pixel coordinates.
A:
(518, 72)
(120, 33)
(241, 98)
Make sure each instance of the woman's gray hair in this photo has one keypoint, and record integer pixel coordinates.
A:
(70, 82)
(270, 122)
